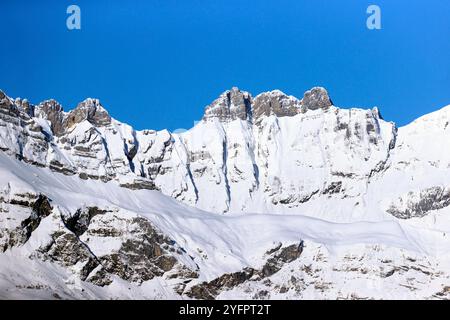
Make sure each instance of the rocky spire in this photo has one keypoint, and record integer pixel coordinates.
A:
(275, 103)
(18, 108)
(232, 104)
(90, 110)
(316, 98)
(5, 102)
(25, 106)
(54, 113)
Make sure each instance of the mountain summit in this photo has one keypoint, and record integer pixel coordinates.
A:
(236, 104)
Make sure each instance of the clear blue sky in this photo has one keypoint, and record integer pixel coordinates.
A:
(157, 63)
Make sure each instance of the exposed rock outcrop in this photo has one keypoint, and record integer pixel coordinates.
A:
(276, 259)
(419, 204)
(275, 103)
(54, 113)
(40, 209)
(90, 110)
(142, 254)
(231, 105)
(279, 257)
(316, 98)
(22, 215)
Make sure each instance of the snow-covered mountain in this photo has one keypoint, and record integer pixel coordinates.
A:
(266, 197)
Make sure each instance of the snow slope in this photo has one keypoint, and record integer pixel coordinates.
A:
(227, 243)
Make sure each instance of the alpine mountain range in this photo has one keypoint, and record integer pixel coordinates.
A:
(267, 197)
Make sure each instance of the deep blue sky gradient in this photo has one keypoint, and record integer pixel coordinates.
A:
(157, 63)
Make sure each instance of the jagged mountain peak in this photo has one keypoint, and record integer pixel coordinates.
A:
(15, 107)
(51, 105)
(90, 110)
(4, 99)
(316, 98)
(2, 94)
(275, 103)
(236, 104)
(60, 121)
(92, 105)
(231, 104)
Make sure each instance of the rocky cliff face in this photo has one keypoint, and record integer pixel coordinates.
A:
(231, 105)
(136, 251)
(275, 103)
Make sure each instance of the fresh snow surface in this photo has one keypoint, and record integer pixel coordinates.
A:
(230, 242)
